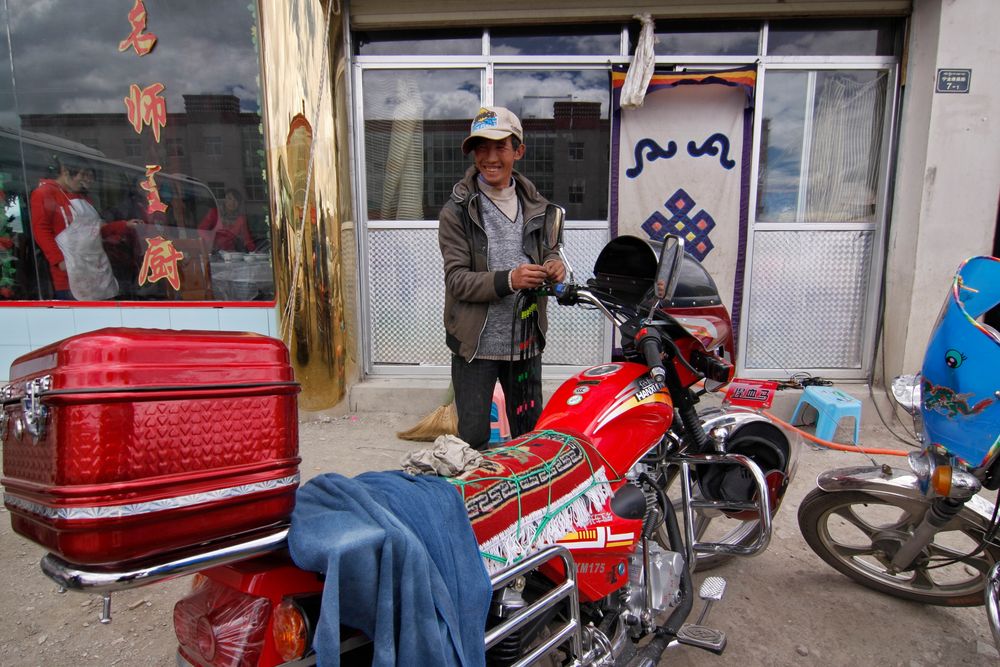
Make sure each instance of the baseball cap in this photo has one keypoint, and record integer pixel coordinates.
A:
(493, 123)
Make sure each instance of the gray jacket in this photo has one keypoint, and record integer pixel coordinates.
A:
(470, 285)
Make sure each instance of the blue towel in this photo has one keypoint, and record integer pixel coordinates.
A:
(402, 565)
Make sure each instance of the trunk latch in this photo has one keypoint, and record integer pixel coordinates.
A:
(35, 412)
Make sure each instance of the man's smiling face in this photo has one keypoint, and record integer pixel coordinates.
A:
(495, 160)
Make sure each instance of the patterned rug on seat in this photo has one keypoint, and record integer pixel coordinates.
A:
(532, 492)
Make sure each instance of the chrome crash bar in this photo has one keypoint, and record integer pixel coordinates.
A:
(762, 505)
(565, 592)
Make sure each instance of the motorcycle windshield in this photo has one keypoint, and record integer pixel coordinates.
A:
(961, 383)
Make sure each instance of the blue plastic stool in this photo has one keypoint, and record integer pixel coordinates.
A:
(831, 405)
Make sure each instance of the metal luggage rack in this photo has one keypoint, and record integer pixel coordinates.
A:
(107, 579)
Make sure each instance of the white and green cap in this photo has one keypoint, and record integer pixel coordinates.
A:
(493, 123)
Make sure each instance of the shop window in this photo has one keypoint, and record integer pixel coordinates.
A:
(218, 189)
(821, 143)
(556, 41)
(213, 146)
(255, 185)
(175, 147)
(559, 109)
(133, 147)
(415, 121)
(715, 38)
(116, 129)
(426, 43)
(868, 37)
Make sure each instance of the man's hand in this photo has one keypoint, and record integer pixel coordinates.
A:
(555, 270)
(527, 276)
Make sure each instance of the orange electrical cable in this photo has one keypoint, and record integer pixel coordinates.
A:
(837, 445)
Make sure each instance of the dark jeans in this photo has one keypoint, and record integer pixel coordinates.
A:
(63, 295)
(474, 381)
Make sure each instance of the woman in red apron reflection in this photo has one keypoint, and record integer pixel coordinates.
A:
(230, 227)
(69, 230)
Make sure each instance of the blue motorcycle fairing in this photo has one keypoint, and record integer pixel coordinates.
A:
(960, 387)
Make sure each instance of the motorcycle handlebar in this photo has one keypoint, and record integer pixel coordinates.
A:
(647, 340)
(652, 350)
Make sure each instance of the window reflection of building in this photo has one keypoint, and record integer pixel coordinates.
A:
(549, 142)
(209, 124)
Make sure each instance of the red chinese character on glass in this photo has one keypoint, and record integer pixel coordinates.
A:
(153, 190)
(160, 261)
(140, 40)
(146, 107)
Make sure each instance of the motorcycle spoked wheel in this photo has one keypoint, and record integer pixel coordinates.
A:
(858, 533)
(709, 526)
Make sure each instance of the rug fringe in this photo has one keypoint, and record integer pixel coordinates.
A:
(516, 541)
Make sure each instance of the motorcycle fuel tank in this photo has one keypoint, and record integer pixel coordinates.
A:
(616, 406)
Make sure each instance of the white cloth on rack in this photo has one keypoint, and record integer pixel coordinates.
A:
(643, 64)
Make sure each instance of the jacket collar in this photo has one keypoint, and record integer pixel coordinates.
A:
(533, 203)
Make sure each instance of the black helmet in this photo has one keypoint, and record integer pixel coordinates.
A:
(762, 443)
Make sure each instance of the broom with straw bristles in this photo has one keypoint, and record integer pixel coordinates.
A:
(443, 420)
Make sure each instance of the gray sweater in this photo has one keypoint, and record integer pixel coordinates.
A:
(504, 254)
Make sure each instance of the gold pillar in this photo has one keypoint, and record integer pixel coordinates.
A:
(307, 144)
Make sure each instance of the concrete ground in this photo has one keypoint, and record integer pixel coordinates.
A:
(783, 607)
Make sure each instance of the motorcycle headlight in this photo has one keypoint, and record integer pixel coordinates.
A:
(906, 391)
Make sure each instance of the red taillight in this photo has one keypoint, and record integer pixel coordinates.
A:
(218, 626)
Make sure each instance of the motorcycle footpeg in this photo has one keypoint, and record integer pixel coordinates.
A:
(701, 636)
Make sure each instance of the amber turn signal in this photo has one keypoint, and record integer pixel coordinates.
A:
(941, 481)
(290, 631)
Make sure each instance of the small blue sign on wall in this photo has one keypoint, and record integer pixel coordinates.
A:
(953, 80)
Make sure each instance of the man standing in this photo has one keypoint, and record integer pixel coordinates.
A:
(490, 237)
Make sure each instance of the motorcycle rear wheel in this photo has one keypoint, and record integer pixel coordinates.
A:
(857, 534)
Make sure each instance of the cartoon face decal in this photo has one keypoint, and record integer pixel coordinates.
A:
(953, 358)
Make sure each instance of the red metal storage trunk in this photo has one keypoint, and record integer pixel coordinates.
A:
(121, 444)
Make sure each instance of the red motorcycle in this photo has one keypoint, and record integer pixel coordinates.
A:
(620, 575)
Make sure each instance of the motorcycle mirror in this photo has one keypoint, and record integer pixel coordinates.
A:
(552, 235)
(668, 271)
(552, 228)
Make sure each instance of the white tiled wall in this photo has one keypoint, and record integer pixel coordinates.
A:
(25, 329)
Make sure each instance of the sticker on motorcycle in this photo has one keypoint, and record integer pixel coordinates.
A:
(701, 328)
(591, 568)
(647, 391)
(597, 538)
(575, 399)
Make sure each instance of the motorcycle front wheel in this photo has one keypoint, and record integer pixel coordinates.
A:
(858, 534)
